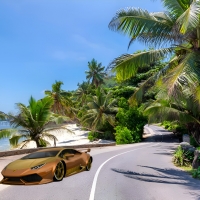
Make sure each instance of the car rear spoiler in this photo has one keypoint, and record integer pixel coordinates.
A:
(87, 150)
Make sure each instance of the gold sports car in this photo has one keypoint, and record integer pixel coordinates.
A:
(45, 166)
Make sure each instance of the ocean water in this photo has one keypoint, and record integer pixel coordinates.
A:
(4, 143)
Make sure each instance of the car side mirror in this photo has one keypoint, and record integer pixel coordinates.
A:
(68, 155)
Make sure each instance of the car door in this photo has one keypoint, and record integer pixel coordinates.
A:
(72, 162)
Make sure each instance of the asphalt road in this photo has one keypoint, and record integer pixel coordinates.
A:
(141, 171)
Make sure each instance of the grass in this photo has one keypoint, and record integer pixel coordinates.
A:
(189, 170)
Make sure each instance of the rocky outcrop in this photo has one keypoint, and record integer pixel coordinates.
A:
(196, 161)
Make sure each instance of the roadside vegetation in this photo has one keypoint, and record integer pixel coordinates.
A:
(160, 84)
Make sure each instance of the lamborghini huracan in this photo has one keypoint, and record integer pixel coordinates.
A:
(45, 166)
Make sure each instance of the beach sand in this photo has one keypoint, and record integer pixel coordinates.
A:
(68, 135)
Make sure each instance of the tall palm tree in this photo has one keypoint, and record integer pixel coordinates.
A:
(31, 123)
(175, 32)
(95, 73)
(101, 109)
(62, 103)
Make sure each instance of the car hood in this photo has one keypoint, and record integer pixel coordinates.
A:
(28, 163)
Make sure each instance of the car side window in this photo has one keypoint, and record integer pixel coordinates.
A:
(65, 151)
(75, 152)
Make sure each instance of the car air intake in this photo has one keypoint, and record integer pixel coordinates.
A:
(32, 178)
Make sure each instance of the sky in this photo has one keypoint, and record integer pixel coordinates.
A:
(42, 41)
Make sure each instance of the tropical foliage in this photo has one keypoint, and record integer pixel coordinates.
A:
(161, 82)
(182, 158)
(184, 110)
(131, 119)
(95, 73)
(101, 109)
(31, 124)
(175, 32)
(62, 103)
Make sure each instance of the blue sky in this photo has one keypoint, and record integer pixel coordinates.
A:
(46, 40)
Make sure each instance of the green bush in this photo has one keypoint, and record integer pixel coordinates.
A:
(93, 136)
(133, 120)
(198, 148)
(42, 143)
(166, 124)
(182, 158)
(123, 135)
(196, 173)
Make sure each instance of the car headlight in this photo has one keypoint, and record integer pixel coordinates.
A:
(38, 166)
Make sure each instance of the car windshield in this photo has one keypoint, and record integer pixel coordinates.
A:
(41, 154)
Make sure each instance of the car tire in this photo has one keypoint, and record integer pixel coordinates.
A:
(59, 172)
(89, 165)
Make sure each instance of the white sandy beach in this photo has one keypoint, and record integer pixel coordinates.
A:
(69, 135)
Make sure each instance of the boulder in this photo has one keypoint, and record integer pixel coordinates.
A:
(196, 161)
(187, 147)
(186, 138)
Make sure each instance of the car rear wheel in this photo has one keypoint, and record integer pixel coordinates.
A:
(89, 165)
(59, 172)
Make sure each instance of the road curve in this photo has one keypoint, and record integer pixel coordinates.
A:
(142, 171)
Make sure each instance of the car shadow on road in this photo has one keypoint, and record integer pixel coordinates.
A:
(167, 176)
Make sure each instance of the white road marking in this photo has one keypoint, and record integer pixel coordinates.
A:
(92, 192)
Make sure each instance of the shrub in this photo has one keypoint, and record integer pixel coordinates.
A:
(42, 143)
(182, 158)
(123, 135)
(166, 124)
(93, 136)
(133, 120)
(196, 173)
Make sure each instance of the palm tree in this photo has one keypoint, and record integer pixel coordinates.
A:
(32, 123)
(95, 73)
(62, 103)
(82, 92)
(175, 32)
(101, 109)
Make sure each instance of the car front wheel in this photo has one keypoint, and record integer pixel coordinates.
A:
(59, 172)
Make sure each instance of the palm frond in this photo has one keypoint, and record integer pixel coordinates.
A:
(176, 7)
(3, 116)
(14, 140)
(185, 74)
(140, 24)
(126, 66)
(45, 134)
(190, 18)
(6, 133)
(158, 113)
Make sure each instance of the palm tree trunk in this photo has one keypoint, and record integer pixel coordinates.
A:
(37, 142)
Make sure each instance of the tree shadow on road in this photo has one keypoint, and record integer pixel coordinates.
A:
(166, 176)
